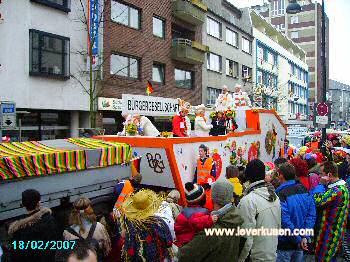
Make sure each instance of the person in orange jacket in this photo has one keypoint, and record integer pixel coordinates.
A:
(205, 167)
(125, 188)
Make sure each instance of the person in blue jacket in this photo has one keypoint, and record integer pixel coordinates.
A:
(298, 212)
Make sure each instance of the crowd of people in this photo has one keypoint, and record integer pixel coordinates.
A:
(305, 191)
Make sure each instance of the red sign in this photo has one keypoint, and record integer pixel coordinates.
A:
(322, 109)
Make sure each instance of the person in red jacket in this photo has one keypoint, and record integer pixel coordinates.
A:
(180, 128)
(193, 218)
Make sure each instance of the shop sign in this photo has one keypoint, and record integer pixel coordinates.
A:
(109, 104)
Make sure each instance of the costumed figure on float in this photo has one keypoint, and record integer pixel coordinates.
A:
(180, 120)
(224, 101)
(218, 120)
(241, 103)
(145, 126)
(201, 128)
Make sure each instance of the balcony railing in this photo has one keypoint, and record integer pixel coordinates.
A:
(188, 51)
(192, 12)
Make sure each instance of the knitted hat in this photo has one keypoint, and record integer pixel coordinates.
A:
(173, 196)
(194, 193)
(222, 193)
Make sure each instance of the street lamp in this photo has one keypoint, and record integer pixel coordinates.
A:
(294, 8)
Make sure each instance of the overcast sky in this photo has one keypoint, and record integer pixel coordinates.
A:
(338, 12)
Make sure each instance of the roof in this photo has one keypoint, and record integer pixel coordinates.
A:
(336, 85)
(258, 21)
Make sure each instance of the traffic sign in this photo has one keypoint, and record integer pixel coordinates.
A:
(7, 115)
(322, 109)
(322, 120)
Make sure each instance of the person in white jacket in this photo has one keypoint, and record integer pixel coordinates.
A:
(201, 128)
(260, 208)
(146, 126)
(224, 101)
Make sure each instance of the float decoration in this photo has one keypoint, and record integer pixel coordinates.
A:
(218, 162)
(270, 141)
(131, 129)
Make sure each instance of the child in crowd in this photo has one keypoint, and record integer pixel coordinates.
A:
(193, 218)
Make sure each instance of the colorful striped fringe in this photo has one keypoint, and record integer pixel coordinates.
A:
(112, 153)
(35, 159)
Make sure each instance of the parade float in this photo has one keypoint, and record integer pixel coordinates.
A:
(61, 170)
(170, 162)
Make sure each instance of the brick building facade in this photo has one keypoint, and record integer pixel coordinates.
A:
(149, 49)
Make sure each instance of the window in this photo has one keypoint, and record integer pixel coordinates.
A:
(294, 34)
(125, 15)
(246, 73)
(183, 79)
(280, 26)
(214, 28)
(158, 73)
(63, 5)
(214, 62)
(259, 77)
(158, 27)
(277, 7)
(49, 54)
(212, 94)
(231, 68)
(246, 45)
(270, 58)
(124, 66)
(260, 53)
(231, 37)
(294, 20)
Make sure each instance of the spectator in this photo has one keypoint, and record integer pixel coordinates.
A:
(275, 180)
(260, 207)
(82, 252)
(124, 189)
(146, 236)
(173, 199)
(298, 212)
(205, 248)
(334, 208)
(208, 201)
(314, 171)
(38, 225)
(302, 171)
(84, 226)
(193, 218)
(232, 173)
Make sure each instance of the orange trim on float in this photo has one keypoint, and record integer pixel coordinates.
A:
(176, 174)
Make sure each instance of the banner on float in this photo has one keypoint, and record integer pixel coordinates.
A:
(149, 105)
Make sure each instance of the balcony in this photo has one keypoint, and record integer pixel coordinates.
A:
(192, 12)
(188, 51)
(266, 66)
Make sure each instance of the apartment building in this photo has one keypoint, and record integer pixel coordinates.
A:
(305, 29)
(40, 50)
(156, 42)
(280, 72)
(339, 95)
(228, 34)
